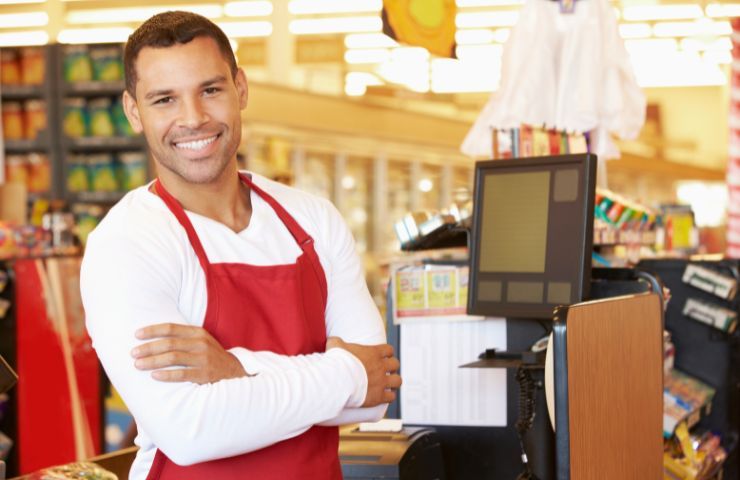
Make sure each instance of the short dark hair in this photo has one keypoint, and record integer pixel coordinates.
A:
(170, 28)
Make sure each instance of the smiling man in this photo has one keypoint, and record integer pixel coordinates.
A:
(229, 311)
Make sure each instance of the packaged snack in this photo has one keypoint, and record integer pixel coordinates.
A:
(12, 121)
(77, 64)
(74, 471)
(102, 173)
(107, 64)
(33, 67)
(101, 123)
(10, 69)
(132, 170)
(39, 173)
(75, 119)
(77, 174)
(34, 118)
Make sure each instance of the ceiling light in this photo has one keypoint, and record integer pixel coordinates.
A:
(662, 12)
(101, 35)
(692, 29)
(336, 25)
(137, 14)
(409, 54)
(723, 57)
(651, 46)
(246, 29)
(259, 8)
(34, 19)
(363, 77)
(16, 39)
(426, 185)
(696, 45)
(309, 7)
(412, 75)
(635, 30)
(675, 69)
(367, 55)
(453, 76)
(355, 89)
(369, 40)
(723, 10)
(482, 53)
(487, 19)
(474, 37)
(487, 3)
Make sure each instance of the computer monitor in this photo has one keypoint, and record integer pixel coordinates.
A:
(532, 235)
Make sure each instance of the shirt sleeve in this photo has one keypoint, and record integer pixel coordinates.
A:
(131, 281)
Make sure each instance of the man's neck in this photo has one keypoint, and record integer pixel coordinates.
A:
(225, 200)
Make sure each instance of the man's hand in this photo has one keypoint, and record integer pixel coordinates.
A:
(203, 359)
(381, 368)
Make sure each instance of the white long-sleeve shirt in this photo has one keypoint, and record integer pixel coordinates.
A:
(139, 269)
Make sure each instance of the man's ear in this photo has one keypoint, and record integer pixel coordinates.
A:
(132, 112)
(242, 88)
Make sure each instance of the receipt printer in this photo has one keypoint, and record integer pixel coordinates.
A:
(411, 454)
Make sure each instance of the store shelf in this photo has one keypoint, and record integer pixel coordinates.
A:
(93, 89)
(96, 197)
(21, 92)
(610, 237)
(104, 143)
(26, 146)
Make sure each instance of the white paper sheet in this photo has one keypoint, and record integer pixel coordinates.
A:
(435, 390)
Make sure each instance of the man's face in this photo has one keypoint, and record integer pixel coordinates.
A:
(188, 106)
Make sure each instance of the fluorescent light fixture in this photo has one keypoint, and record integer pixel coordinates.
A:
(367, 55)
(501, 35)
(692, 29)
(311, 7)
(410, 55)
(505, 18)
(696, 45)
(457, 76)
(363, 77)
(635, 30)
(336, 25)
(369, 40)
(721, 57)
(407, 67)
(355, 89)
(723, 10)
(653, 46)
(675, 69)
(487, 3)
(97, 35)
(18, 39)
(480, 53)
(136, 14)
(246, 29)
(31, 19)
(17, 2)
(259, 8)
(641, 13)
(474, 37)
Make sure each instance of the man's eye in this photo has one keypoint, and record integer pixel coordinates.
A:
(211, 90)
(162, 101)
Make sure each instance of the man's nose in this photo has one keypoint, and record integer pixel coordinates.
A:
(193, 115)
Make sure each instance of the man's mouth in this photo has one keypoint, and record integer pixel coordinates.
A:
(199, 144)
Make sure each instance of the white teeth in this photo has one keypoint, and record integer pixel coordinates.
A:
(196, 144)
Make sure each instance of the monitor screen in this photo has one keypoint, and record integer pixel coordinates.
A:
(532, 235)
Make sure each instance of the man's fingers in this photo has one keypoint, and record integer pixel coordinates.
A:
(167, 359)
(388, 396)
(386, 350)
(394, 381)
(168, 330)
(164, 345)
(178, 375)
(392, 365)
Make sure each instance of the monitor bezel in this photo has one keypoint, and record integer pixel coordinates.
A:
(586, 162)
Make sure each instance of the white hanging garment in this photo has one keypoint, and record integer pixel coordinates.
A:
(565, 71)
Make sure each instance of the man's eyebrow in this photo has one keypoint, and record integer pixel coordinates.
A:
(167, 92)
(157, 93)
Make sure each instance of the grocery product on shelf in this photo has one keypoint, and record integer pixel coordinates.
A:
(102, 173)
(107, 64)
(39, 173)
(101, 123)
(77, 64)
(78, 179)
(34, 118)
(132, 170)
(10, 67)
(12, 121)
(33, 66)
(16, 169)
(75, 121)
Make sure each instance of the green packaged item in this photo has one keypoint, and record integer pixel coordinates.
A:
(107, 64)
(77, 64)
(123, 128)
(77, 174)
(75, 120)
(101, 123)
(132, 170)
(102, 173)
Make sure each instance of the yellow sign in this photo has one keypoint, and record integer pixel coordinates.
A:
(423, 23)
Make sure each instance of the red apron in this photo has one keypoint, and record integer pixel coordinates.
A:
(277, 308)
